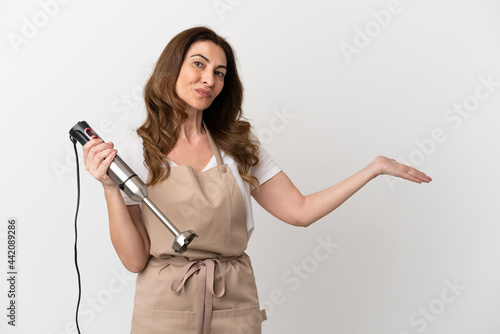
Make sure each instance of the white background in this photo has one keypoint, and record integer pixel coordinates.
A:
(399, 242)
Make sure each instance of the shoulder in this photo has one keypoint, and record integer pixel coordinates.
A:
(266, 168)
(130, 145)
(132, 139)
(130, 149)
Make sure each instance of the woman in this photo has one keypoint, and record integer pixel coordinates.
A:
(202, 162)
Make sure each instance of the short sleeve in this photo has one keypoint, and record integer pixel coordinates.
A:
(131, 151)
(266, 168)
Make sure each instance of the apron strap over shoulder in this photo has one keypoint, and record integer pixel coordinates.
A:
(214, 147)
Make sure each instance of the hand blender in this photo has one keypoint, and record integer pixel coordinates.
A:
(133, 186)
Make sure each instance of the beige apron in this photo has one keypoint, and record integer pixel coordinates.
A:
(211, 287)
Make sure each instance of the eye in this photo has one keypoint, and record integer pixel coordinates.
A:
(198, 63)
(220, 74)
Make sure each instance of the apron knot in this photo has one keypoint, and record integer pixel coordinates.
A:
(206, 285)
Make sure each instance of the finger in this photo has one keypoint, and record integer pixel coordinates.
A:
(418, 172)
(427, 177)
(89, 149)
(101, 164)
(94, 150)
(96, 145)
(101, 158)
(108, 159)
(420, 175)
(90, 144)
(423, 176)
(411, 178)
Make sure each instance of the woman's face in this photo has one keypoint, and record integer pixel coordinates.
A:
(201, 77)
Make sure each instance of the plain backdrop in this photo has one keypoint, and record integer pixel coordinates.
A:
(329, 85)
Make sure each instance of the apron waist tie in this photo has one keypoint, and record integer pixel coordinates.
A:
(206, 282)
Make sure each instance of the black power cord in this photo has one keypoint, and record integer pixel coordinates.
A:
(76, 234)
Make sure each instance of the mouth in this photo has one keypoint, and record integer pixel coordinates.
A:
(203, 93)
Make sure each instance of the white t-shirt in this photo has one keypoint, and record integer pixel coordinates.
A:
(130, 149)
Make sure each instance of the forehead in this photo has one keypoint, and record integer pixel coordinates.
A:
(208, 49)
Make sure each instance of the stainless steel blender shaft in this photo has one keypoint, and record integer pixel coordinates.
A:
(182, 239)
(133, 186)
(168, 224)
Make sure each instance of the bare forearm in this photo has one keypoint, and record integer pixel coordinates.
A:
(127, 240)
(321, 203)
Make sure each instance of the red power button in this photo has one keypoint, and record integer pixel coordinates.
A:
(91, 133)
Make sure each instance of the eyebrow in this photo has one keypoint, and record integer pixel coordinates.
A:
(207, 60)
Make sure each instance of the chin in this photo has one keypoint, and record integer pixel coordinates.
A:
(200, 106)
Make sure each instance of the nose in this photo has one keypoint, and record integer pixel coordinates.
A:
(208, 78)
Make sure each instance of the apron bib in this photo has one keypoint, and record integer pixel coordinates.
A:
(210, 288)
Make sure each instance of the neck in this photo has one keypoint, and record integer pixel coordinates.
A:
(192, 129)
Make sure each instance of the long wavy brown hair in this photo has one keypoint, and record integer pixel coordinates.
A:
(166, 111)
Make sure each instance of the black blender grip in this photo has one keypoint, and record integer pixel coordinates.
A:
(83, 133)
